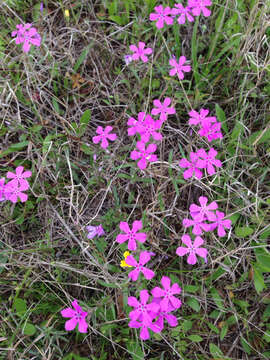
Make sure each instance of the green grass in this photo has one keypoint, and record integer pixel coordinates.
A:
(47, 125)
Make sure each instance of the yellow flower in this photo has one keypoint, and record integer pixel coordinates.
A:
(123, 262)
(66, 13)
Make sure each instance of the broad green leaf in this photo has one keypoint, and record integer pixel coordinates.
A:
(217, 299)
(195, 338)
(29, 329)
(187, 325)
(194, 304)
(245, 345)
(215, 350)
(110, 285)
(258, 279)
(222, 118)
(20, 306)
(243, 231)
(224, 331)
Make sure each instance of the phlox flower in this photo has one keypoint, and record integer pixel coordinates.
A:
(184, 13)
(191, 165)
(163, 109)
(103, 135)
(201, 118)
(198, 225)
(95, 231)
(220, 224)
(134, 124)
(204, 211)
(178, 67)
(161, 15)
(161, 315)
(167, 294)
(140, 52)
(142, 309)
(149, 128)
(144, 154)
(19, 177)
(144, 333)
(27, 35)
(145, 256)
(14, 191)
(192, 249)
(198, 6)
(131, 235)
(208, 161)
(77, 317)
(211, 132)
(2, 189)
(123, 262)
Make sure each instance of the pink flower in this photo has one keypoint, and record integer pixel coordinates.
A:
(163, 109)
(167, 294)
(103, 135)
(2, 189)
(19, 177)
(77, 317)
(149, 128)
(144, 333)
(198, 226)
(199, 6)
(191, 165)
(204, 211)
(212, 132)
(178, 67)
(131, 235)
(133, 123)
(201, 118)
(207, 161)
(144, 154)
(14, 191)
(95, 230)
(184, 13)
(27, 35)
(140, 52)
(128, 59)
(192, 249)
(221, 224)
(161, 15)
(171, 319)
(142, 309)
(145, 256)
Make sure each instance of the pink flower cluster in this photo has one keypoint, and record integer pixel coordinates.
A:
(14, 189)
(27, 35)
(210, 127)
(152, 315)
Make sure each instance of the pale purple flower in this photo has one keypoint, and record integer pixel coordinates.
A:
(144, 154)
(211, 132)
(178, 67)
(19, 177)
(149, 128)
(171, 319)
(198, 225)
(103, 135)
(14, 191)
(41, 6)
(161, 15)
(220, 224)
(133, 123)
(191, 165)
(128, 59)
(142, 310)
(77, 317)
(94, 231)
(140, 52)
(27, 35)
(198, 6)
(145, 256)
(201, 118)
(131, 235)
(163, 109)
(184, 13)
(204, 211)
(192, 249)
(208, 161)
(2, 189)
(167, 294)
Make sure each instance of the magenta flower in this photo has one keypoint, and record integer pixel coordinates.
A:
(212, 132)
(145, 256)
(198, 226)
(161, 15)
(198, 6)
(77, 317)
(178, 67)
(171, 319)
(133, 123)
(201, 118)
(142, 310)
(144, 154)
(95, 231)
(204, 211)
(220, 224)
(14, 191)
(131, 235)
(149, 128)
(191, 165)
(103, 135)
(163, 109)
(192, 249)
(207, 161)
(144, 333)
(2, 189)
(167, 294)
(19, 177)
(184, 13)
(140, 52)
(27, 35)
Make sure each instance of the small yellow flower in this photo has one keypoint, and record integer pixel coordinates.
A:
(66, 13)
(123, 262)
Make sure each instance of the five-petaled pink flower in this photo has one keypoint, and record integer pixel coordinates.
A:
(28, 35)
(77, 317)
(220, 224)
(103, 135)
(161, 15)
(145, 256)
(192, 249)
(178, 67)
(149, 128)
(142, 310)
(163, 109)
(140, 52)
(131, 235)
(207, 161)
(198, 6)
(211, 132)
(201, 118)
(198, 225)
(144, 154)
(191, 165)
(167, 294)
(19, 177)
(204, 211)
(171, 319)
(184, 13)
(94, 231)
(134, 124)
(14, 191)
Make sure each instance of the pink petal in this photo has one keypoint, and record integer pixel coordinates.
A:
(144, 257)
(144, 333)
(192, 259)
(135, 155)
(23, 196)
(133, 48)
(198, 242)
(132, 301)
(71, 324)
(141, 237)
(144, 296)
(158, 292)
(104, 143)
(149, 274)
(175, 289)
(131, 261)
(175, 302)
(82, 325)
(132, 245)
(96, 139)
(186, 240)
(134, 274)
(121, 238)
(137, 225)
(68, 313)
(202, 252)
(181, 251)
(166, 282)
(124, 227)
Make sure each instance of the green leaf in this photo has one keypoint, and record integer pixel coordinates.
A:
(266, 313)
(258, 279)
(20, 306)
(187, 325)
(190, 288)
(194, 304)
(245, 345)
(84, 121)
(217, 299)
(224, 331)
(243, 231)
(29, 329)
(3, 260)
(82, 57)
(222, 118)
(215, 350)
(110, 285)
(195, 338)
(135, 350)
